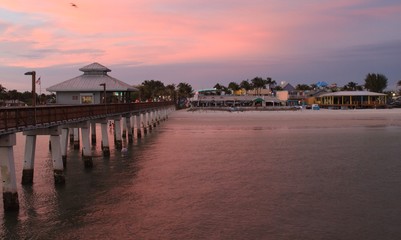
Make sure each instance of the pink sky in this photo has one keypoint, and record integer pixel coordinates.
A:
(201, 42)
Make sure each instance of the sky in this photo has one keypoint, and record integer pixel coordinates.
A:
(200, 42)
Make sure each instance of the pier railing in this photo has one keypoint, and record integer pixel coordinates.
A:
(14, 119)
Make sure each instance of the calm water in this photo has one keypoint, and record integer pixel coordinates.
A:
(198, 177)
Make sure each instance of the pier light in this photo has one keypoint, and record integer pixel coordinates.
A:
(104, 92)
(33, 74)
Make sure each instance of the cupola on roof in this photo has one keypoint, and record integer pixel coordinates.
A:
(94, 67)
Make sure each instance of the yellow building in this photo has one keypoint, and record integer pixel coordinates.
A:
(352, 99)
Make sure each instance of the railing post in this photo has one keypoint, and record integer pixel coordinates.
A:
(20, 118)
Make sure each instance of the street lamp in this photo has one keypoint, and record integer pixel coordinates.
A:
(33, 74)
(104, 96)
(104, 92)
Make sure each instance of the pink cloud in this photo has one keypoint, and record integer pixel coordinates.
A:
(159, 32)
(173, 36)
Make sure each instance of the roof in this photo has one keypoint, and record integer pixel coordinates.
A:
(207, 90)
(288, 87)
(352, 93)
(94, 67)
(94, 75)
(238, 98)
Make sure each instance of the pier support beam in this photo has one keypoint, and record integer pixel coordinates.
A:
(29, 159)
(117, 133)
(64, 145)
(129, 128)
(8, 176)
(143, 121)
(138, 125)
(76, 138)
(86, 149)
(105, 139)
(93, 133)
(54, 132)
(154, 118)
(85, 127)
(162, 113)
(58, 168)
(71, 136)
(148, 120)
(124, 127)
(158, 116)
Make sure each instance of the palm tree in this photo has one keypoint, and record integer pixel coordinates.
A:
(2, 92)
(302, 87)
(351, 86)
(245, 85)
(219, 88)
(259, 83)
(184, 91)
(234, 87)
(375, 82)
(13, 94)
(272, 84)
(399, 85)
(170, 92)
(151, 89)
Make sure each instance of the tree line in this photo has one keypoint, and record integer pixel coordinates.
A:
(155, 90)
(257, 84)
(374, 82)
(25, 97)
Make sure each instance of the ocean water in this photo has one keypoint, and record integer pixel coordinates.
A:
(220, 176)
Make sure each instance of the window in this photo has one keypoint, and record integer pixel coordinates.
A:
(86, 98)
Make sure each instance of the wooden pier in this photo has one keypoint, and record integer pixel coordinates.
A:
(61, 121)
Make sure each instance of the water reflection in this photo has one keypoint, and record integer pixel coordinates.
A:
(199, 179)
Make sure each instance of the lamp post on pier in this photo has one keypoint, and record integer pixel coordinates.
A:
(104, 95)
(33, 74)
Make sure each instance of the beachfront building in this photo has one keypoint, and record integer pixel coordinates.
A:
(259, 92)
(12, 103)
(234, 101)
(352, 99)
(291, 96)
(94, 86)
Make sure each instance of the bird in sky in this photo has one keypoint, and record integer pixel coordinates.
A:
(73, 5)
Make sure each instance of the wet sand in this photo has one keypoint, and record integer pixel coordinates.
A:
(302, 119)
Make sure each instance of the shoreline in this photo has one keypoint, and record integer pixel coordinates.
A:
(244, 109)
(322, 118)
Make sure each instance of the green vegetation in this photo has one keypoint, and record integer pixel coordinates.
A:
(352, 86)
(154, 90)
(257, 84)
(375, 82)
(26, 97)
(303, 87)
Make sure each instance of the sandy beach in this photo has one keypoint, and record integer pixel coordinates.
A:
(300, 119)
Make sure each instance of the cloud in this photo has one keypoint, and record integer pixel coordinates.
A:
(375, 50)
(221, 40)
